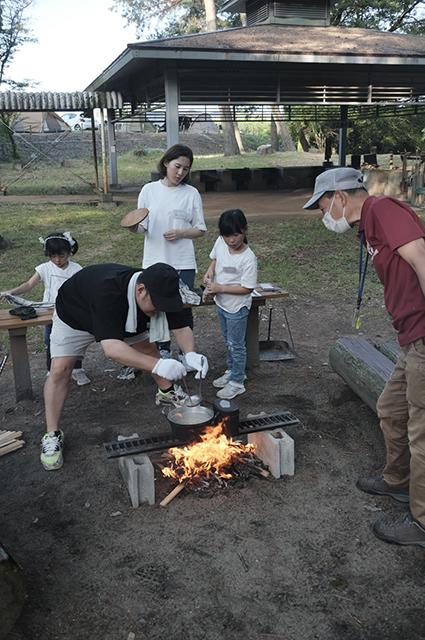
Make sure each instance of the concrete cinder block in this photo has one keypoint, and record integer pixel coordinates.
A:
(138, 475)
(276, 449)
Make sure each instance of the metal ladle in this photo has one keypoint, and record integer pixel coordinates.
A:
(196, 399)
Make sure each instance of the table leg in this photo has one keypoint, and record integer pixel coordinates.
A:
(21, 365)
(252, 339)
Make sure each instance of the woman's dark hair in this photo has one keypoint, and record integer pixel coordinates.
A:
(57, 243)
(173, 153)
(233, 221)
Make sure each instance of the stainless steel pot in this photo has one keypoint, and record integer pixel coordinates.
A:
(187, 423)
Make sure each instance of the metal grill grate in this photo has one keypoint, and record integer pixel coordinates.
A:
(134, 446)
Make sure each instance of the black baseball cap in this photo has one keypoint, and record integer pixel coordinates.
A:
(162, 282)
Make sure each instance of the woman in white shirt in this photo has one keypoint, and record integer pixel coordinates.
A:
(175, 219)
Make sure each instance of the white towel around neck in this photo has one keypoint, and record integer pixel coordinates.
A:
(158, 324)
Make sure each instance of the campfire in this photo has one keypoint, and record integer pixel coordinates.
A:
(213, 462)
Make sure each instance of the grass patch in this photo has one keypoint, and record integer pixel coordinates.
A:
(75, 176)
(298, 254)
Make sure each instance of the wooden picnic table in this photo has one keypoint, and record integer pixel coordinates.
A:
(19, 349)
(252, 329)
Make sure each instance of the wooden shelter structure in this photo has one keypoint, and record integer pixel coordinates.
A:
(288, 56)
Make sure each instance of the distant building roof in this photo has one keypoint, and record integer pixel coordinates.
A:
(272, 64)
(272, 39)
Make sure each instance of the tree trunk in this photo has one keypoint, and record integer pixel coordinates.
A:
(304, 141)
(284, 133)
(274, 138)
(238, 137)
(210, 15)
(230, 145)
(362, 367)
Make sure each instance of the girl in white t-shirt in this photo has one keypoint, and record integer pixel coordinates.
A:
(58, 247)
(231, 278)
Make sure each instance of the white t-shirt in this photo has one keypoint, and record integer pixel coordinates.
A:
(234, 269)
(53, 277)
(170, 208)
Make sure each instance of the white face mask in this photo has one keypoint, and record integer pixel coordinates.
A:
(339, 226)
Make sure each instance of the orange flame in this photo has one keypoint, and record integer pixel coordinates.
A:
(213, 454)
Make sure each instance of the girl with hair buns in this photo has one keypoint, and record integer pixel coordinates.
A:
(58, 247)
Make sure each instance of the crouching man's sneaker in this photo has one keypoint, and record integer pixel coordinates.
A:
(126, 373)
(175, 397)
(80, 377)
(404, 530)
(51, 450)
(378, 486)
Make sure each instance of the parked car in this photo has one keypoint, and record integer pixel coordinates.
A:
(78, 122)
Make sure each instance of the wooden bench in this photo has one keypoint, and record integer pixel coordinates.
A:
(19, 350)
(364, 367)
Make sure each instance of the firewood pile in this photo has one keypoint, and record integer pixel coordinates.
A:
(9, 441)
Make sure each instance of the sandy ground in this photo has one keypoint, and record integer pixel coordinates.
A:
(291, 559)
(273, 204)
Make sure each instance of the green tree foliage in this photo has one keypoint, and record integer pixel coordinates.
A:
(386, 135)
(403, 16)
(13, 32)
(170, 18)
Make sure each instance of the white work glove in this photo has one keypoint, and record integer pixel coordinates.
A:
(169, 369)
(198, 362)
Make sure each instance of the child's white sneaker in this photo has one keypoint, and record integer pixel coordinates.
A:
(231, 390)
(223, 380)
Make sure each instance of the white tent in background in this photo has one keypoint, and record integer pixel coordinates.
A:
(204, 124)
(39, 122)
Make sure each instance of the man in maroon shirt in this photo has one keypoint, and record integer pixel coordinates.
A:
(394, 237)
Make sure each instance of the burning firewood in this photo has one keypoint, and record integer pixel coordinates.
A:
(214, 462)
(172, 494)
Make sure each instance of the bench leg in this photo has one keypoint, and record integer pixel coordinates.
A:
(21, 365)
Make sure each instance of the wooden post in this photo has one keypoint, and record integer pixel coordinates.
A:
(21, 368)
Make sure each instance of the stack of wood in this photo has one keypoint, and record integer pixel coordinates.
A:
(9, 441)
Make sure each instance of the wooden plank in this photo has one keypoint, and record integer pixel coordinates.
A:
(8, 321)
(364, 368)
(11, 447)
(7, 436)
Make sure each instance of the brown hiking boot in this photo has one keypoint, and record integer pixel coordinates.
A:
(405, 530)
(378, 486)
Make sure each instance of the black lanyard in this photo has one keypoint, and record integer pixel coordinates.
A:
(362, 276)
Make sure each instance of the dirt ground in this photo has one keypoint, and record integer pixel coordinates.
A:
(292, 559)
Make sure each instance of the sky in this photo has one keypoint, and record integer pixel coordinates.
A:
(77, 40)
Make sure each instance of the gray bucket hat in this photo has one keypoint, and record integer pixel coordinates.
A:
(342, 178)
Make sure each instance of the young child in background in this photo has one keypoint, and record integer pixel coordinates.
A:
(231, 278)
(58, 247)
